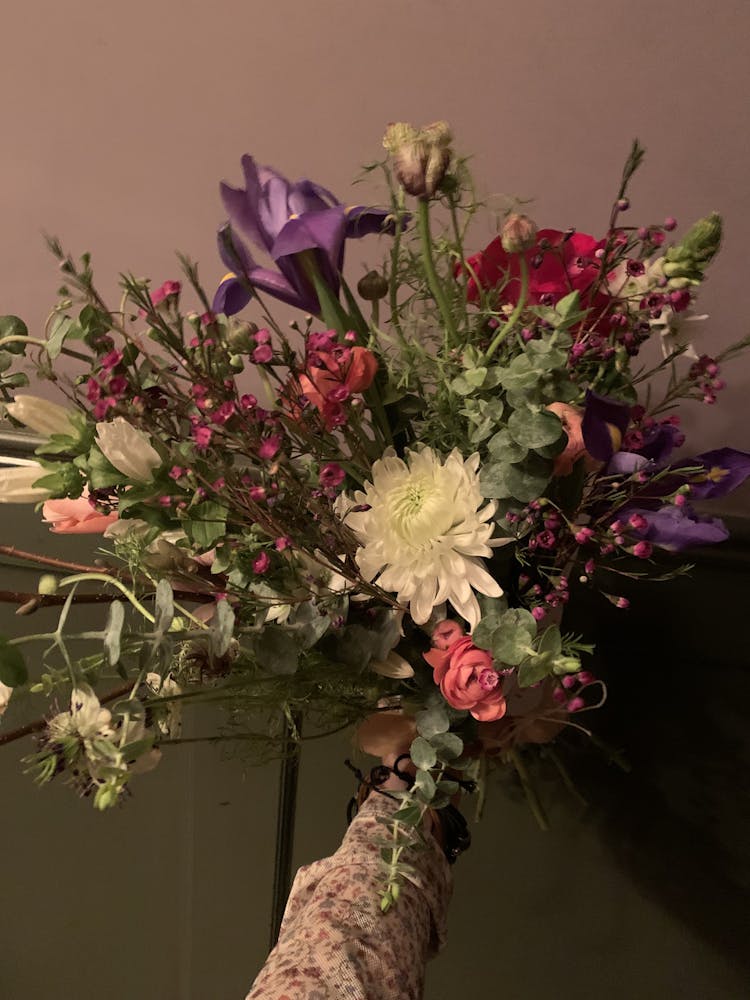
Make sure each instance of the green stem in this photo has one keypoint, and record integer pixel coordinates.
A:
(104, 578)
(423, 219)
(505, 329)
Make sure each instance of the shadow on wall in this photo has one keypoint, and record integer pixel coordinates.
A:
(678, 673)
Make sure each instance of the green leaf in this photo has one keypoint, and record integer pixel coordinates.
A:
(535, 668)
(222, 630)
(100, 472)
(448, 787)
(60, 328)
(550, 641)
(461, 386)
(13, 670)
(527, 480)
(207, 523)
(534, 429)
(432, 721)
(504, 448)
(13, 326)
(113, 632)
(484, 631)
(449, 746)
(276, 651)
(493, 480)
(408, 815)
(512, 638)
(425, 785)
(423, 754)
(163, 606)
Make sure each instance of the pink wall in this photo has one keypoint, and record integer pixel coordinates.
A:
(119, 120)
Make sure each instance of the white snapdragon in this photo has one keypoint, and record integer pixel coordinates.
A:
(41, 415)
(129, 450)
(17, 483)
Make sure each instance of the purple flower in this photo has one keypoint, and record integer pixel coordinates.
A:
(677, 528)
(726, 469)
(604, 423)
(659, 441)
(285, 220)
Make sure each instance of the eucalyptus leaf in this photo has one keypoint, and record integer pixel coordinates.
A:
(163, 606)
(423, 754)
(449, 746)
(113, 632)
(432, 721)
(408, 815)
(504, 448)
(222, 629)
(534, 429)
(535, 668)
(425, 785)
(527, 480)
(275, 650)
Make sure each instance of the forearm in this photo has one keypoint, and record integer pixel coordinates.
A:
(335, 940)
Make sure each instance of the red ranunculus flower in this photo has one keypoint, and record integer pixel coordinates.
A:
(567, 265)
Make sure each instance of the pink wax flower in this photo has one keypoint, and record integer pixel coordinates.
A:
(642, 550)
(463, 673)
(262, 354)
(331, 474)
(75, 517)
(269, 446)
(261, 563)
(164, 293)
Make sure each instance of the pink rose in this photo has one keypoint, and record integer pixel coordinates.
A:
(468, 679)
(75, 517)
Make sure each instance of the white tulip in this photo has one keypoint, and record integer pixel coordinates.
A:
(17, 484)
(127, 449)
(41, 415)
(5, 693)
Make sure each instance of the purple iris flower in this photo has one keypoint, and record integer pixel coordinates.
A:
(726, 469)
(659, 441)
(677, 528)
(604, 423)
(283, 220)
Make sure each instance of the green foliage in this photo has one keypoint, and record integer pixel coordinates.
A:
(13, 670)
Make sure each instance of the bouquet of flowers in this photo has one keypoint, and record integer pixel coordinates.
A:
(376, 513)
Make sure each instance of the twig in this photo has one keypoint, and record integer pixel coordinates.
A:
(14, 553)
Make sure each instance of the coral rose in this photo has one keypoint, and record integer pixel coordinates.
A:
(76, 517)
(468, 679)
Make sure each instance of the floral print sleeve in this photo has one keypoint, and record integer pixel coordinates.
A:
(335, 942)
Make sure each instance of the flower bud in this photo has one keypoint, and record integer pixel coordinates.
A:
(127, 449)
(420, 156)
(518, 233)
(686, 263)
(47, 584)
(17, 484)
(240, 337)
(372, 286)
(41, 415)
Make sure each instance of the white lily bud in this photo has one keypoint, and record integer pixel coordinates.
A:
(17, 484)
(127, 449)
(41, 415)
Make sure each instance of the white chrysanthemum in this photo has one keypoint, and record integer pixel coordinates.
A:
(425, 532)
